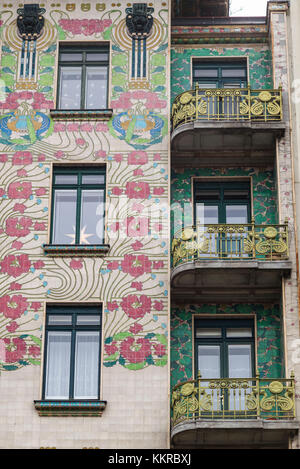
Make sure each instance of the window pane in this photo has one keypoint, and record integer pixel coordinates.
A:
(239, 332)
(64, 218)
(209, 361)
(70, 56)
(59, 319)
(86, 365)
(207, 214)
(237, 214)
(70, 88)
(93, 320)
(97, 56)
(96, 88)
(239, 361)
(58, 365)
(93, 179)
(66, 179)
(207, 85)
(234, 72)
(206, 73)
(205, 332)
(92, 217)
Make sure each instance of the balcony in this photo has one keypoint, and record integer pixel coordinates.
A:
(232, 412)
(234, 126)
(230, 262)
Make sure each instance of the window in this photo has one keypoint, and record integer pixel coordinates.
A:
(78, 206)
(211, 74)
(82, 77)
(72, 353)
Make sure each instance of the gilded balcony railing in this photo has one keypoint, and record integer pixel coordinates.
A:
(240, 104)
(231, 242)
(234, 398)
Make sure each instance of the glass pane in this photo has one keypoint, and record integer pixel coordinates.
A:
(239, 332)
(207, 85)
(207, 214)
(70, 56)
(97, 56)
(204, 332)
(59, 319)
(70, 88)
(233, 72)
(58, 365)
(66, 179)
(64, 217)
(209, 361)
(92, 217)
(236, 214)
(240, 361)
(92, 320)
(93, 179)
(206, 73)
(86, 384)
(96, 88)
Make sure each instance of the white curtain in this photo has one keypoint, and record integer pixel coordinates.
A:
(86, 365)
(58, 365)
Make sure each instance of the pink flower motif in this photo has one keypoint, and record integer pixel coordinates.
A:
(150, 100)
(36, 305)
(22, 158)
(137, 226)
(18, 227)
(17, 245)
(112, 306)
(19, 190)
(110, 349)
(13, 306)
(137, 157)
(118, 157)
(114, 227)
(136, 328)
(114, 265)
(158, 305)
(137, 245)
(158, 265)
(34, 351)
(81, 142)
(87, 27)
(15, 265)
(38, 265)
(2, 192)
(157, 227)
(73, 127)
(101, 127)
(39, 226)
(160, 350)
(135, 351)
(15, 286)
(116, 191)
(138, 172)
(86, 127)
(3, 158)
(59, 127)
(156, 157)
(12, 326)
(136, 265)
(137, 285)
(100, 154)
(158, 190)
(136, 307)
(41, 191)
(59, 155)
(19, 208)
(137, 190)
(137, 207)
(15, 349)
(22, 173)
(41, 157)
(76, 264)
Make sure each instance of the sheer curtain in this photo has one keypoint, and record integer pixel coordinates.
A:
(58, 365)
(86, 365)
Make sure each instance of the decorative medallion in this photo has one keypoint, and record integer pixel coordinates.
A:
(30, 21)
(139, 20)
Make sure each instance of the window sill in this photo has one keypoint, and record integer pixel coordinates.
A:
(81, 114)
(76, 408)
(77, 250)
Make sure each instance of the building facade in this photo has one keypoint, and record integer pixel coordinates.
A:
(148, 235)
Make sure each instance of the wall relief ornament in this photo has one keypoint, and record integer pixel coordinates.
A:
(30, 21)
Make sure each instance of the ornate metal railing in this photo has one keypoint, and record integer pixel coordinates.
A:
(231, 242)
(241, 104)
(234, 398)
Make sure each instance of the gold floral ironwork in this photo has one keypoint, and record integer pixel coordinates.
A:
(234, 398)
(241, 104)
(223, 241)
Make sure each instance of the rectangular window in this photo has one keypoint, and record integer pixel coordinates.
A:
(78, 206)
(221, 74)
(72, 353)
(82, 77)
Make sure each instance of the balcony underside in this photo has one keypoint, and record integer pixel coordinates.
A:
(202, 143)
(234, 434)
(228, 281)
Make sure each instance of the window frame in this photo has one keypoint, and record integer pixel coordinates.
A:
(220, 65)
(93, 310)
(83, 64)
(79, 171)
